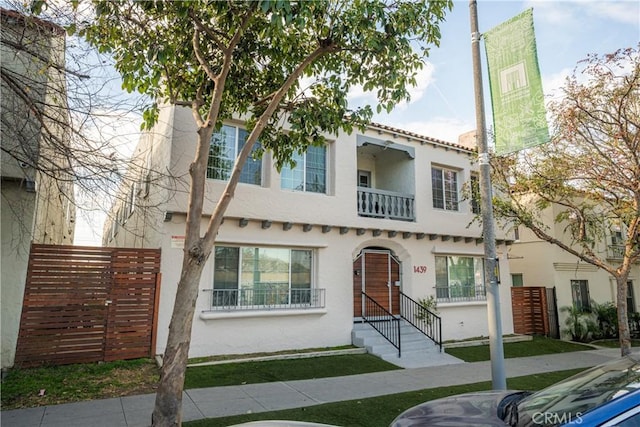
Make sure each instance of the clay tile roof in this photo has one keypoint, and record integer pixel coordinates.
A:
(419, 137)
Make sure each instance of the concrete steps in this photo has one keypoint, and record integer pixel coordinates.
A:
(417, 350)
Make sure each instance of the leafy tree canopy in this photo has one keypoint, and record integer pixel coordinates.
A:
(172, 52)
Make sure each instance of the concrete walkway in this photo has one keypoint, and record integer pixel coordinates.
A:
(234, 400)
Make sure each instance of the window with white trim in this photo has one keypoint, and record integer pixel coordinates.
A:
(225, 146)
(309, 173)
(258, 278)
(444, 185)
(460, 278)
(580, 294)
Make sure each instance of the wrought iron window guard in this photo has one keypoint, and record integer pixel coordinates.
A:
(272, 297)
(460, 293)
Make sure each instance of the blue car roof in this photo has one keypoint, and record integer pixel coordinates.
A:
(607, 411)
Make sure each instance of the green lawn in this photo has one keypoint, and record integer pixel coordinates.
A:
(52, 385)
(539, 346)
(63, 384)
(379, 411)
(615, 343)
(284, 370)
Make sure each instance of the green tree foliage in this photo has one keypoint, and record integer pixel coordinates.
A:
(589, 173)
(270, 61)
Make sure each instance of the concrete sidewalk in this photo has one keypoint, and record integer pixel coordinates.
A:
(234, 400)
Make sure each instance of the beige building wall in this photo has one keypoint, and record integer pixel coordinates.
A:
(544, 264)
(36, 207)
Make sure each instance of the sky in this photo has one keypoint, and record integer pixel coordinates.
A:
(442, 104)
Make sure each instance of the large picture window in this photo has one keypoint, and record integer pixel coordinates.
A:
(225, 147)
(309, 173)
(459, 278)
(263, 278)
(444, 184)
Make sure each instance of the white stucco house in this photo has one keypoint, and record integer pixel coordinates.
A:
(37, 195)
(535, 262)
(380, 212)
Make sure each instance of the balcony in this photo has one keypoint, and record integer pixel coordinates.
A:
(385, 204)
(267, 296)
(615, 252)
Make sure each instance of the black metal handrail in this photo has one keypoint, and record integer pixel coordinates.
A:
(427, 322)
(382, 321)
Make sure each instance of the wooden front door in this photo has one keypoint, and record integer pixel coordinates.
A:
(377, 273)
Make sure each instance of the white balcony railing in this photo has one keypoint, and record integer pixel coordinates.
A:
(615, 252)
(385, 204)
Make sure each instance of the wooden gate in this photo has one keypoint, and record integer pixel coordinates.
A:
(88, 304)
(529, 306)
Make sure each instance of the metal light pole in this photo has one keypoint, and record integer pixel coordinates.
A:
(498, 377)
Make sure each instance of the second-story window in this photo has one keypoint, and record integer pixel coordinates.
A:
(225, 147)
(309, 174)
(444, 183)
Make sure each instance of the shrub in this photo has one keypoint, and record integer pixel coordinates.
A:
(580, 323)
(606, 316)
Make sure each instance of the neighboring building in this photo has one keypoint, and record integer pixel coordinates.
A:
(534, 262)
(36, 207)
(380, 211)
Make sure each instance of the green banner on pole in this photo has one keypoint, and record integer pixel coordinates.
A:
(519, 117)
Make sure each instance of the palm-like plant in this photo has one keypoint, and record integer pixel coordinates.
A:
(606, 316)
(579, 322)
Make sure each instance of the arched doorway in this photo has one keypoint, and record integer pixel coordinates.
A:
(376, 271)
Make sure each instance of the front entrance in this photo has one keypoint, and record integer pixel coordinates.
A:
(377, 273)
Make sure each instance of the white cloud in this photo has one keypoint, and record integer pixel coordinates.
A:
(620, 11)
(578, 12)
(444, 128)
(424, 78)
(552, 84)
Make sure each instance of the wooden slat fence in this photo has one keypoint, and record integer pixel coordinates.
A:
(88, 304)
(529, 305)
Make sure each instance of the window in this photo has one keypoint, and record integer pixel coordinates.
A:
(309, 173)
(580, 294)
(225, 147)
(459, 278)
(631, 302)
(263, 278)
(475, 194)
(364, 179)
(516, 280)
(444, 183)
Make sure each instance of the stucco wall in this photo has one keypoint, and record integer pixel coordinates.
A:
(173, 143)
(544, 264)
(17, 217)
(267, 331)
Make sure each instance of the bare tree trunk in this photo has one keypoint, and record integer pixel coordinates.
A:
(168, 406)
(623, 320)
